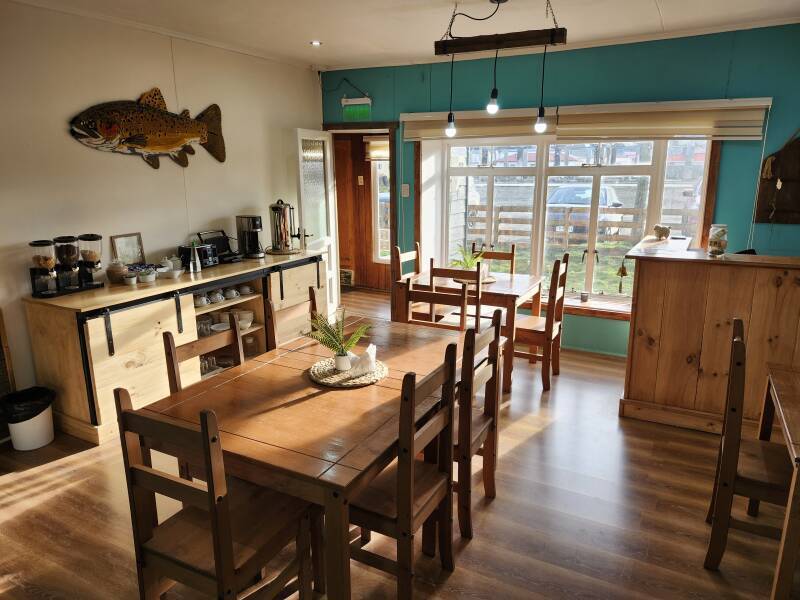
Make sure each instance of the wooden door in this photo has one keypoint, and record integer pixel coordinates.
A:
(356, 208)
(138, 363)
(730, 295)
(681, 333)
(648, 304)
(772, 335)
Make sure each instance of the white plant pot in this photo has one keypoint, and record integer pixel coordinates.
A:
(342, 363)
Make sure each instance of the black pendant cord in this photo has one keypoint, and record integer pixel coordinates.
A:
(449, 32)
(494, 80)
(452, 58)
(544, 63)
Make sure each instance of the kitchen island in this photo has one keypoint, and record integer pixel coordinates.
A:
(88, 343)
(684, 303)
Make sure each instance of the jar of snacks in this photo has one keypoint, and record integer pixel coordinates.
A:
(90, 245)
(43, 255)
(67, 252)
(717, 239)
(116, 271)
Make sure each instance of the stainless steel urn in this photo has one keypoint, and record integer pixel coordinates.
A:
(281, 216)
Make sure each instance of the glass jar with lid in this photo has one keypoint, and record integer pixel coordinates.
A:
(43, 254)
(717, 239)
(67, 253)
(91, 248)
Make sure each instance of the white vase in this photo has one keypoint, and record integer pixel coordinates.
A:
(342, 363)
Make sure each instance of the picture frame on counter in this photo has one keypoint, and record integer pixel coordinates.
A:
(128, 248)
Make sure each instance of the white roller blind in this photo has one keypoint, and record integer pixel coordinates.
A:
(735, 119)
(377, 147)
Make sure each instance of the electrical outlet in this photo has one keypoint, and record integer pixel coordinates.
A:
(360, 180)
(405, 192)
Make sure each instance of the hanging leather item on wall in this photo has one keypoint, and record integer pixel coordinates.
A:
(779, 185)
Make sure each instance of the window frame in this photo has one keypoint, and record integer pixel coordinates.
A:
(375, 205)
(542, 171)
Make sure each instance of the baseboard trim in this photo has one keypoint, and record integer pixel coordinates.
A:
(95, 434)
(675, 416)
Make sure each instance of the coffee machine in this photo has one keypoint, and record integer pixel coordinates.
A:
(247, 229)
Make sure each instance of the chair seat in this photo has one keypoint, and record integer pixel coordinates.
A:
(380, 496)
(259, 518)
(535, 325)
(487, 312)
(765, 463)
(480, 427)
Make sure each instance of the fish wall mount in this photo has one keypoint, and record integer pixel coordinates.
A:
(146, 128)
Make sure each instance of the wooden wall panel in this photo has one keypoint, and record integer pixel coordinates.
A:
(773, 330)
(355, 213)
(730, 295)
(646, 331)
(681, 334)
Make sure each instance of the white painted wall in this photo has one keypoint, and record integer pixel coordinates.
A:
(54, 65)
(432, 203)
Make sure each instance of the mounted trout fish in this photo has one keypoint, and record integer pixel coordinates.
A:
(148, 129)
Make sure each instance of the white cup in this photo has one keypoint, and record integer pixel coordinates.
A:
(231, 293)
(201, 300)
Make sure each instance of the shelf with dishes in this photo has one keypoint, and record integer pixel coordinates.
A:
(226, 303)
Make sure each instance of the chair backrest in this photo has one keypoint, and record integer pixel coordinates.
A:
(436, 432)
(469, 277)
(492, 254)
(555, 296)
(138, 433)
(479, 370)
(400, 258)
(434, 299)
(307, 307)
(734, 406)
(177, 354)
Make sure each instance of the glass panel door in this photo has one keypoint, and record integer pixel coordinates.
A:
(622, 215)
(469, 213)
(567, 225)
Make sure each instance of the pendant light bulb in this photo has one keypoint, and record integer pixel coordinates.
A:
(493, 107)
(541, 123)
(450, 131)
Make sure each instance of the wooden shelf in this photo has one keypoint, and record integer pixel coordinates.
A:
(202, 310)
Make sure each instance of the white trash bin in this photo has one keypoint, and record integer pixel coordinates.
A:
(33, 433)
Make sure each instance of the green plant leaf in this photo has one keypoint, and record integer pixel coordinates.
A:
(467, 259)
(360, 332)
(332, 335)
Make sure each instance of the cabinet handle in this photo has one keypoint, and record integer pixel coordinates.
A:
(109, 333)
(178, 312)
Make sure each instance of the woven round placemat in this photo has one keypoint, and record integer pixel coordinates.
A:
(324, 372)
(487, 279)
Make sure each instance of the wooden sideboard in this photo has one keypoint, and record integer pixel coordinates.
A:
(88, 343)
(679, 346)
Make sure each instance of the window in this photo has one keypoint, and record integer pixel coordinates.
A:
(380, 211)
(491, 198)
(597, 200)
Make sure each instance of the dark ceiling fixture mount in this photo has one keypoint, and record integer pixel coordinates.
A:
(451, 44)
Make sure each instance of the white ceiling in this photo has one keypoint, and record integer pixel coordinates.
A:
(358, 33)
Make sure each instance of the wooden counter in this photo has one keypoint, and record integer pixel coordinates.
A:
(88, 343)
(683, 305)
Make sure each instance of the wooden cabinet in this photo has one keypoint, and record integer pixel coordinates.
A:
(289, 289)
(684, 304)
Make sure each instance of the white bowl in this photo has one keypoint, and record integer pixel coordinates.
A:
(170, 273)
(244, 314)
(220, 327)
(129, 280)
(245, 323)
(147, 277)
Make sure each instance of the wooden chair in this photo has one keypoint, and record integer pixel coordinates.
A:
(176, 355)
(228, 529)
(433, 299)
(757, 469)
(308, 307)
(545, 332)
(400, 258)
(411, 493)
(471, 287)
(477, 427)
(492, 254)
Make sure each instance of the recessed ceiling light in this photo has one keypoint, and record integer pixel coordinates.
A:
(315, 43)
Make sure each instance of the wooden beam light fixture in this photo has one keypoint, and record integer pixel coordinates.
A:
(518, 39)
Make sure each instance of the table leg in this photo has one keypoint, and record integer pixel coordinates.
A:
(508, 356)
(337, 546)
(790, 541)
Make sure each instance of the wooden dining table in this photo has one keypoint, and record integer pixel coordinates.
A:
(319, 444)
(783, 401)
(506, 291)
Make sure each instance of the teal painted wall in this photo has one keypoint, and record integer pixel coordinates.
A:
(747, 63)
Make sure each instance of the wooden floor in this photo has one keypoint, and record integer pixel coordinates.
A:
(588, 506)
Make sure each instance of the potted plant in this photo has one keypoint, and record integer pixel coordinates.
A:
(468, 260)
(332, 336)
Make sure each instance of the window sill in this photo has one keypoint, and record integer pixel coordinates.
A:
(615, 310)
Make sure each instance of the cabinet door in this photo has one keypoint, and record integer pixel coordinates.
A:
(730, 295)
(681, 333)
(773, 331)
(291, 312)
(138, 363)
(648, 303)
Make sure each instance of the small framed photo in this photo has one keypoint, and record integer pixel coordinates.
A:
(128, 248)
